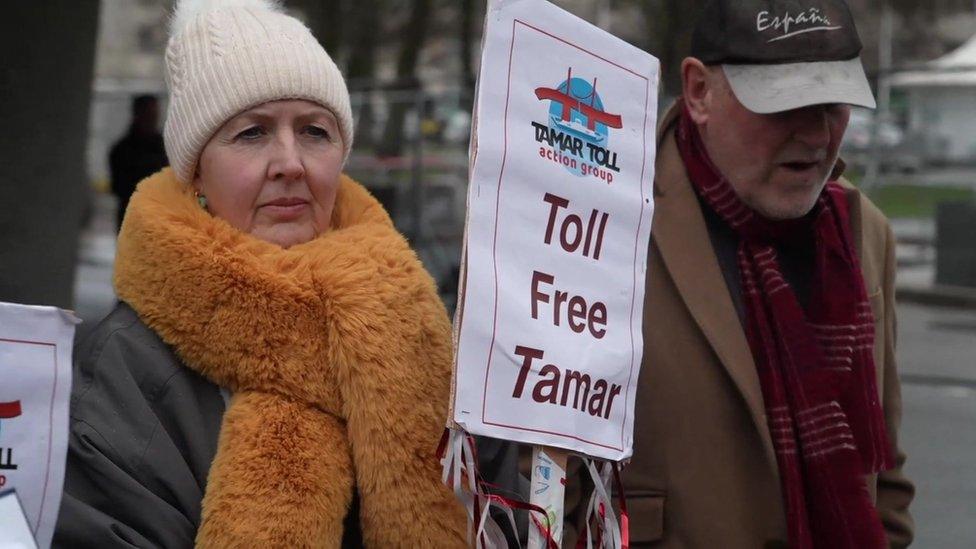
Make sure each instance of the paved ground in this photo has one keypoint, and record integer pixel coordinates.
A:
(937, 358)
(939, 435)
(937, 346)
(960, 176)
(951, 176)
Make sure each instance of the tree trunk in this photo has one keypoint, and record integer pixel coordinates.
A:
(466, 39)
(413, 42)
(326, 21)
(45, 94)
(670, 26)
(361, 73)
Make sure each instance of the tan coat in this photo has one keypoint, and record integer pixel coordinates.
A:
(704, 474)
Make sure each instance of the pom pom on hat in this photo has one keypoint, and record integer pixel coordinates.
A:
(187, 10)
(226, 56)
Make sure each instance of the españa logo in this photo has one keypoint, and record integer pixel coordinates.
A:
(577, 129)
(8, 410)
(808, 21)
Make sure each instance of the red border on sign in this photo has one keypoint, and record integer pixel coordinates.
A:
(50, 423)
(633, 294)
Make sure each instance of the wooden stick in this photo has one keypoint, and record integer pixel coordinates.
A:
(547, 490)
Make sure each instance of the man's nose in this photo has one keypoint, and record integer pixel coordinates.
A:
(286, 162)
(811, 126)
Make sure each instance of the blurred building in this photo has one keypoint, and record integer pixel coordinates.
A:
(133, 33)
(922, 30)
(942, 105)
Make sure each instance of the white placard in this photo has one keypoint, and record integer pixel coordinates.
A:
(15, 533)
(35, 369)
(559, 216)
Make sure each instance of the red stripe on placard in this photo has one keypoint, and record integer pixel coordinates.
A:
(9, 409)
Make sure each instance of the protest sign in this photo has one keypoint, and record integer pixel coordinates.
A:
(559, 215)
(15, 533)
(35, 366)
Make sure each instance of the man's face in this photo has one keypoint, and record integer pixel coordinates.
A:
(777, 163)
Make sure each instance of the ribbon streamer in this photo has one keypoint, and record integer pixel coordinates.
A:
(459, 459)
(610, 534)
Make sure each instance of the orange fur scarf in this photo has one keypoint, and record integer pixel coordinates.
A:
(338, 352)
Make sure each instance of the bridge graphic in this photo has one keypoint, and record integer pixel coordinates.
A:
(570, 103)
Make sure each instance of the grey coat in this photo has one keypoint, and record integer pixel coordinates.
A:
(143, 433)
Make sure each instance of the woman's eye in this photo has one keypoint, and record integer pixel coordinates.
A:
(253, 132)
(317, 132)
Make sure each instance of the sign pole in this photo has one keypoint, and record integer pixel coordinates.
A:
(548, 491)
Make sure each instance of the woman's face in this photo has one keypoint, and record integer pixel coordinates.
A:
(272, 171)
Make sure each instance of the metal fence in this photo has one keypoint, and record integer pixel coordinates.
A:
(419, 173)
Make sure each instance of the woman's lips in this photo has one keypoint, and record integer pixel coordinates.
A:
(287, 201)
(286, 208)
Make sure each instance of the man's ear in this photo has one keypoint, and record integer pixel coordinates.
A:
(697, 88)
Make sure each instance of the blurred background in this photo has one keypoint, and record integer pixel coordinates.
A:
(72, 68)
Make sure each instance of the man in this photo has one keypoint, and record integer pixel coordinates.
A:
(768, 403)
(139, 154)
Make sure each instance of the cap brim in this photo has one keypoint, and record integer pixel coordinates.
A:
(766, 89)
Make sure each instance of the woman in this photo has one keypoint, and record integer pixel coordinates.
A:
(277, 372)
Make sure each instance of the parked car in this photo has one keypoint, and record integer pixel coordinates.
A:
(896, 149)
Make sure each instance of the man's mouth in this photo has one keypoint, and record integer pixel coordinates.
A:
(799, 167)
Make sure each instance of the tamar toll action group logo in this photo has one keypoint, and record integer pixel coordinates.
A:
(577, 131)
(8, 410)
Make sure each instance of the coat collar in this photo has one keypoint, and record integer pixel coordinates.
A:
(680, 233)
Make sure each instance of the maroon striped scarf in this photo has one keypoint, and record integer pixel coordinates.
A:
(815, 366)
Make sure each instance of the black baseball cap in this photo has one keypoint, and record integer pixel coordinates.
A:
(780, 55)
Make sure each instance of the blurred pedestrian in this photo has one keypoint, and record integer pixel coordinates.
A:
(768, 402)
(139, 153)
(278, 370)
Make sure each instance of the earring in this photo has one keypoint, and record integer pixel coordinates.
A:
(201, 199)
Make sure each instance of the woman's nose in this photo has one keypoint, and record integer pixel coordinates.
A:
(286, 162)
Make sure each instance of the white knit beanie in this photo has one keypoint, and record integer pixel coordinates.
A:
(226, 56)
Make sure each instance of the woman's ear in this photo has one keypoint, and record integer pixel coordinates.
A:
(696, 80)
(196, 184)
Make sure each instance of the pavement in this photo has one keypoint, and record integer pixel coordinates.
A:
(936, 357)
(937, 364)
(915, 280)
(951, 176)
(961, 176)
